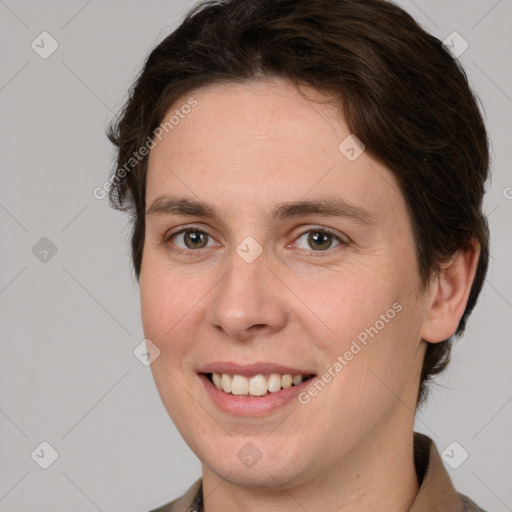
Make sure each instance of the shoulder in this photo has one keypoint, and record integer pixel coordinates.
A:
(191, 501)
(469, 505)
(436, 491)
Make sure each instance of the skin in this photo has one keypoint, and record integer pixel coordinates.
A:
(244, 148)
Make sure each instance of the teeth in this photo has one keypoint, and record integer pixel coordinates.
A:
(274, 382)
(225, 382)
(286, 381)
(258, 385)
(296, 379)
(239, 385)
(217, 379)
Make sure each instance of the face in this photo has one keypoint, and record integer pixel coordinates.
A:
(273, 251)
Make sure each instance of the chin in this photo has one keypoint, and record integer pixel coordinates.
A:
(253, 462)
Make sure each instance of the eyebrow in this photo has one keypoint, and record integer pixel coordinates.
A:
(331, 207)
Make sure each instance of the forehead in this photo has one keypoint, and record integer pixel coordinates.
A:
(262, 143)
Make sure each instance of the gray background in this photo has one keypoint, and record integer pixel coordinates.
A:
(69, 325)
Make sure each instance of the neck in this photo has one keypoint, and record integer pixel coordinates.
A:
(379, 474)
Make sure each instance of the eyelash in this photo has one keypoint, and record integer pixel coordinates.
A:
(313, 253)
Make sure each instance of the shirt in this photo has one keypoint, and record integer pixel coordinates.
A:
(436, 492)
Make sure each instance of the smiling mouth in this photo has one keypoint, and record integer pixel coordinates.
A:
(256, 385)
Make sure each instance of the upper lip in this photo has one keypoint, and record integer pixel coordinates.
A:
(249, 370)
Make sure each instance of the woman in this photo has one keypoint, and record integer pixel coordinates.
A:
(306, 182)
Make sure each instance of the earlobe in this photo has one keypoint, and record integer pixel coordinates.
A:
(449, 294)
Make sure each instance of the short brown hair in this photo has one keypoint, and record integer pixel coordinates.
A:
(399, 90)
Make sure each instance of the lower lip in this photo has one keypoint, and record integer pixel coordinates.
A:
(241, 405)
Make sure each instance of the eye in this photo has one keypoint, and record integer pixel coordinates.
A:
(318, 240)
(191, 239)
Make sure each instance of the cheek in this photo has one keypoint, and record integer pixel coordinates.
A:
(166, 306)
(154, 308)
(173, 310)
(384, 372)
(343, 304)
(164, 303)
(371, 323)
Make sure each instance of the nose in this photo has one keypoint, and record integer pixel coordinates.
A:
(249, 301)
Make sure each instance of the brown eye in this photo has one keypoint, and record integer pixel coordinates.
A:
(191, 239)
(318, 240)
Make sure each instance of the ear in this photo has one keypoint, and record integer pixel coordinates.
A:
(449, 294)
